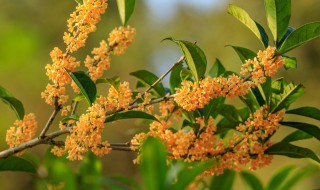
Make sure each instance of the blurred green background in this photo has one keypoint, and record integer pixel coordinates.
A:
(30, 29)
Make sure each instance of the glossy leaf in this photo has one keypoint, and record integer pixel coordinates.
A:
(244, 17)
(290, 62)
(14, 103)
(250, 100)
(148, 78)
(223, 181)
(229, 112)
(195, 57)
(308, 128)
(289, 31)
(210, 109)
(293, 151)
(86, 85)
(185, 74)
(244, 53)
(130, 114)
(296, 135)
(71, 117)
(279, 177)
(175, 80)
(154, 165)
(251, 181)
(306, 111)
(300, 36)
(290, 94)
(125, 8)
(278, 16)
(244, 113)
(298, 176)
(267, 89)
(114, 81)
(14, 163)
(217, 69)
(258, 95)
(187, 175)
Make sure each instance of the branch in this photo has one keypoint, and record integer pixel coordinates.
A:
(50, 120)
(160, 78)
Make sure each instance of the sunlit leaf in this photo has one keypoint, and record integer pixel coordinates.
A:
(13, 163)
(290, 62)
(293, 151)
(125, 8)
(300, 36)
(148, 78)
(229, 112)
(195, 57)
(85, 84)
(290, 94)
(71, 117)
(185, 74)
(299, 176)
(308, 128)
(130, 114)
(278, 16)
(255, 27)
(114, 81)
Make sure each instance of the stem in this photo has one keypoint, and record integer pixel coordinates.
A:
(160, 78)
(50, 120)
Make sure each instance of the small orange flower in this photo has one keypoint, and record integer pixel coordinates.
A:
(120, 38)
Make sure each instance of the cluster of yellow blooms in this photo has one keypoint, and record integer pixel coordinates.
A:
(193, 95)
(23, 131)
(234, 153)
(265, 64)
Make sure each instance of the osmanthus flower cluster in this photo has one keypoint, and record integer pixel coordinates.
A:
(245, 147)
(23, 131)
(193, 95)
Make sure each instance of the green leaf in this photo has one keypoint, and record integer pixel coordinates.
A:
(278, 16)
(223, 181)
(287, 149)
(71, 117)
(244, 53)
(251, 181)
(255, 27)
(298, 176)
(290, 94)
(306, 111)
(114, 81)
(78, 98)
(79, 1)
(296, 135)
(120, 183)
(250, 100)
(210, 109)
(90, 172)
(130, 114)
(308, 128)
(185, 74)
(14, 163)
(148, 79)
(125, 8)
(229, 112)
(267, 89)
(86, 85)
(300, 36)
(153, 164)
(289, 31)
(14, 103)
(188, 174)
(290, 62)
(195, 57)
(259, 97)
(279, 177)
(244, 113)
(175, 79)
(217, 69)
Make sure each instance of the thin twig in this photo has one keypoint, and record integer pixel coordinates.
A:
(50, 120)
(160, 78)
